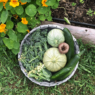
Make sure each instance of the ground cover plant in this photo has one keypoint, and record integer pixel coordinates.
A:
(17, 17)
(13, 81)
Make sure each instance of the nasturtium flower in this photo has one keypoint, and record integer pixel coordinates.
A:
(43, 3)
(22, 3)
(14, 3)
(24, 21)
(5, 1)
(2, 28)
(1, 0)
(15, 16)
(28, 31)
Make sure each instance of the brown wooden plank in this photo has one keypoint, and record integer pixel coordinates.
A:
(86, 34)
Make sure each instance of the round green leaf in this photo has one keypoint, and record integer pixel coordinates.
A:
(43, 10)
(49, 18)
(12, 35)
(38, 2)
(16, 45)
(13, 11)
(42, 17)
(8, 7)
(21, 27)
(31, 10)
(9, 24)
(19, 10)
(8, 42)
(15, 51)
(23, 1)
(55, 5)
(50, 2)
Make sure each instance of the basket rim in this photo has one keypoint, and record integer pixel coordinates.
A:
(48, 84)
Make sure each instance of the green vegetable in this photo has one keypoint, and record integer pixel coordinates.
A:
(40, 73)
(61, 73)
(70, 42)
(55, 37)
(67, 20)
(53, 60)
(72, 63)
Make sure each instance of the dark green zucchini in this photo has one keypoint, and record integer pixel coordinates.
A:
(70, 42)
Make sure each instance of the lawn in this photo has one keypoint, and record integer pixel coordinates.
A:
(13, 81)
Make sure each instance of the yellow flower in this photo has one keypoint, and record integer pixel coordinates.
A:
(28, 31)
(22, 3)
(14, 3)
(4, 3)
(1, 0)
(2, 28)
(43, 3)
(15, 16)
(24, 21)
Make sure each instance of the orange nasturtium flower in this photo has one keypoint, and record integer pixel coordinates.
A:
(15, 16)
(14, 3)
(22, 3)
(5, 1)
(2, 28)
(24, 21)
(43, 3)
(28, 31)
(1, 0)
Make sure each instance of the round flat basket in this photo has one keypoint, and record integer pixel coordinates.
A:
(46, 83)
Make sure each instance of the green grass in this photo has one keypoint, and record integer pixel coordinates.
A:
(13, 81)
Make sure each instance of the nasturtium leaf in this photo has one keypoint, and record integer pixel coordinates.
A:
(12, 35)
(19, 10)
(42, 17)
(8, 42)
(24, 1)
(55, 5)
(20, 36)
(4, 16)
(1, 6)
(15, 51)
(28, 0)
(2, 34)
(22, 28)
(16, 45)
(13, 11)
(31, 10)
(38, 2)
(43, 10)
(9, 24)
(50, 2)
(8, 7)
(49, 18)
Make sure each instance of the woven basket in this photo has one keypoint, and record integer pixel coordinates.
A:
(46, 83)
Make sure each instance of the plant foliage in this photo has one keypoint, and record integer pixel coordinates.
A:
(19, 16)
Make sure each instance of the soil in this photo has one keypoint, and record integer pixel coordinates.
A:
(75, 13)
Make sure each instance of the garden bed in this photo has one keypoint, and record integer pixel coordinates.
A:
(75, 13)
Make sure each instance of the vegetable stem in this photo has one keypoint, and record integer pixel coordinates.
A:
(33, 59)
(45, 46)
